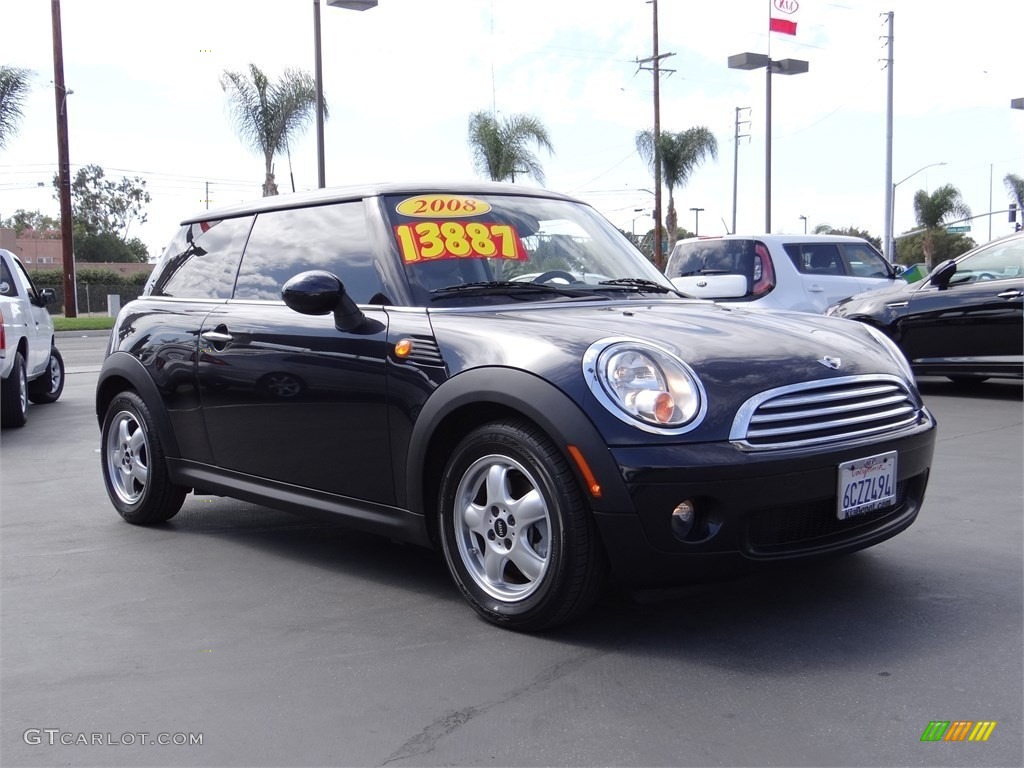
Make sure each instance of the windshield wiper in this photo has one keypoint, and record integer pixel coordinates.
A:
(507, 286)
(640, 285)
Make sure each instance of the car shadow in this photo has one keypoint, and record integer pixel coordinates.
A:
(993, 389)
(869, 608)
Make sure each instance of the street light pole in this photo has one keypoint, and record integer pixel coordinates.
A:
(804, 219)
(748, 61)
(892, 209)
(696, 220)
(352, 5)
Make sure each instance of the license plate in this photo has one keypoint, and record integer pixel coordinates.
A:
(866, 485)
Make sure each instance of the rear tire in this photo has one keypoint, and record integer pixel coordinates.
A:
(14, 395)
(47, 388)
(134, 464)
(518, 539)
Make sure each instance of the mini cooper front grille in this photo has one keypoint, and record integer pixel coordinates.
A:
(819, 412)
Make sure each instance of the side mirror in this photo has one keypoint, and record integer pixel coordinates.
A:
(47, 296)
(899, 269)
(942, 274)
(318, 292)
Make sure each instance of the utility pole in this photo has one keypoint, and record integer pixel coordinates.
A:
(655, 62)
(207, 195)
(736, 162)
(63, 166)
(887, 233)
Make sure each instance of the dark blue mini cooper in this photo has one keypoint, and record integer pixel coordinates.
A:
(497, 372)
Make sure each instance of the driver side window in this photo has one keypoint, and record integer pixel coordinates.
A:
(1000, 261)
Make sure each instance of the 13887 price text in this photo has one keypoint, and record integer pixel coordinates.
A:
(430, 240)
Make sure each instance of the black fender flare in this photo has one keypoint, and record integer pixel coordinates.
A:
(512, 389)
(121, 365)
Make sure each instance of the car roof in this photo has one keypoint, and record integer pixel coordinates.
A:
(781, 239)
(358, 191)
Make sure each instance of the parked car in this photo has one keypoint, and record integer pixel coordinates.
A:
(804, 273)
(543, 435)
(964, 321)
(31, 368)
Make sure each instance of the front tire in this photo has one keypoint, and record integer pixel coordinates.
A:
(518, 539)
(14, 395)
(47, 388)
(134, 464)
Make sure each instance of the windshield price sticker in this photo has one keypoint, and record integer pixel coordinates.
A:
(433, 240)
(866, 485)
(438, 206)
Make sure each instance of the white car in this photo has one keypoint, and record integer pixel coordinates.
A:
(805, 273)
(31, 368)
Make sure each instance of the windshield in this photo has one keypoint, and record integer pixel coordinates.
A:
(479, 245)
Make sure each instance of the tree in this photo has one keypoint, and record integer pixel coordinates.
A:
(100, 205)
(945, 245)
(268, 115)
(42, 226)
(681, 154)
(108, 247)
(14, 87)
(102, 210)
(933, 210)
(863, 234)
(501, 148)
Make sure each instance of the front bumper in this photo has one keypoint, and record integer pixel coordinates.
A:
(753, 508)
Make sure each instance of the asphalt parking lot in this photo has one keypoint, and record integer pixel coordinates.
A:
(273, 640)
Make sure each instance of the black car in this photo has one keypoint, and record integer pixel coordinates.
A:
(964, 321)
(497, 372)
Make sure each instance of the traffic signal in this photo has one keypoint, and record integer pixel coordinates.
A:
(1013, 217)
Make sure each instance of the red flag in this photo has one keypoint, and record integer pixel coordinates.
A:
(783, 16)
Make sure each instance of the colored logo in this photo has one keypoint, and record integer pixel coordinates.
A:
(958, 730)
(786, 6)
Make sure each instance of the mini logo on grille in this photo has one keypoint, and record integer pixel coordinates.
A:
(831, 362)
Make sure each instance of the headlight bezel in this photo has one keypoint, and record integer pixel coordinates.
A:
(680, 379)
(894, 351)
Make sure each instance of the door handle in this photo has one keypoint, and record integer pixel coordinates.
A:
(216, 337)
(1013, 293)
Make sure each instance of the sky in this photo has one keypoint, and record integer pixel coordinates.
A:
(402, 79)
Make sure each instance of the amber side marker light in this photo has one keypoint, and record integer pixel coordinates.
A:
(592, 485)
(403, 347)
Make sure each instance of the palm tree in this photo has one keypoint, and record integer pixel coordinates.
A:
(14, 86)
(681, 154)
(501, 148)
(932, 210)
(1015, 186)
(269, 114)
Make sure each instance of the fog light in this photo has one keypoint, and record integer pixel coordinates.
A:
(683, 518)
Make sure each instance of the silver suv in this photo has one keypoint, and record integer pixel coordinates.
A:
(807, 273)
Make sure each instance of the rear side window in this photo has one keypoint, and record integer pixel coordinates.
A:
(11, 288)
(865, 261)
(712, 257)
(202, 260)
(816, 258)
(329, 237)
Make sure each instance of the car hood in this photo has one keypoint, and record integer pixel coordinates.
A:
(735, 352)
(869, 301)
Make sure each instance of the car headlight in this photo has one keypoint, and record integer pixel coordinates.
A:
(645, 385)
(894, 351)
